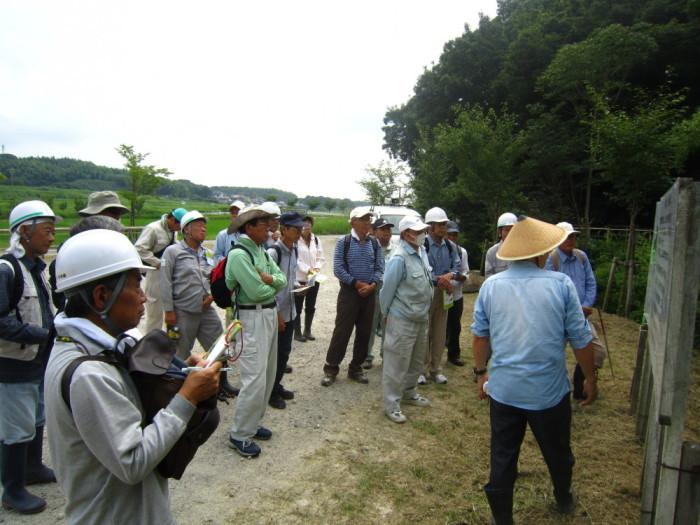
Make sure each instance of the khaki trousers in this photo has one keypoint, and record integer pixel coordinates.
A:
(437, 331)
(154, 304)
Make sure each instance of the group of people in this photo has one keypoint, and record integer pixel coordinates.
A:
(407, 292)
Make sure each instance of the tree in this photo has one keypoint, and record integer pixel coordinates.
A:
(79, 203)
(329, 204)
(291, 201)
(271, 197)
(143, 179)
(313, 202)
(385, 182)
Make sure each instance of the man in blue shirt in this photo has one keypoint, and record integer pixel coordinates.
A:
(523, 318)
(444, 263)
(228, 237)
(358, 263)
(569, 260)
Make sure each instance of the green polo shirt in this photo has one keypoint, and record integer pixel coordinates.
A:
(240, 271)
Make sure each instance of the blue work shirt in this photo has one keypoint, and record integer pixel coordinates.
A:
(442, 259)
(224, 242)
(529, 314)
(580, 272)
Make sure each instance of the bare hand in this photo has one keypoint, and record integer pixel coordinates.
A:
(201, 384)
(266, 277)
(587, 310)
(170, 318)
(206, 302)
(590, 391)
(281, 325)
(480, 394)
(445, 282)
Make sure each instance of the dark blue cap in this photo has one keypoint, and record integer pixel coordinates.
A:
(292, 218)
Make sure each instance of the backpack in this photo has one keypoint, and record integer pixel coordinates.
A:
(217, 279)
(554, 256)
(346, 248)
(426, 244)
(155, 391)
(18, 283)
(278, 251)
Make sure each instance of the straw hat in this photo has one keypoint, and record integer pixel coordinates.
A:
(246, 215)
(530, 238)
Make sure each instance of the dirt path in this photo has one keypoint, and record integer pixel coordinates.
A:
(211, 489)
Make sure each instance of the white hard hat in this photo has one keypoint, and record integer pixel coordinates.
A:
(190, 216)
(93, 255)
(567, 227)
(238, 204)
(507, 219)
(271, 208)
(29, 210)
(435, 215)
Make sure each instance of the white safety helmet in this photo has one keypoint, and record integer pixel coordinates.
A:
(28, 210)
(506, 219)
(271, 208)
(436, 215)
(190, 216)
(93, 255)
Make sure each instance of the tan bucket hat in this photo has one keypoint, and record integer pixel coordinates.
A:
(99, 201)
(530, 238)
(247, 215)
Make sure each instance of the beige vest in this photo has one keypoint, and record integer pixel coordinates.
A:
(30, 311)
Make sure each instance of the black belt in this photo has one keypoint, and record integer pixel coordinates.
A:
(256, 306)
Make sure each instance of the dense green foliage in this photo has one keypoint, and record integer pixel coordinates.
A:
(562, 109)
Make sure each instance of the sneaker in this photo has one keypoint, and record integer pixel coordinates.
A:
(417, 400)
(327, 380)
(439, 379)
(286, 394)
(277, 402)
(358, 377)
(367, 364)
(263, 434)
(421, 380)
(246, 448)
(396, 416)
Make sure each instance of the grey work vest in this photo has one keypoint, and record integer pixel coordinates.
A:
(415, 294)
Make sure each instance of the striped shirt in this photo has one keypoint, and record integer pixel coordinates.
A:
(365, 261)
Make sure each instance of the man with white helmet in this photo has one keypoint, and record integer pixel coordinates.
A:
(105, 457)
(495, 265)
(522, 320)
(185, 288)
(26, 326)
(405, 299)
(228, 237)
(151, 244)
(444, 263)
(568, 259)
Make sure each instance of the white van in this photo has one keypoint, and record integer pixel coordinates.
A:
(392, 214)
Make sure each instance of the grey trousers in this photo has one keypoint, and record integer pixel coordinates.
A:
(154, 304)
(258, 366)
(204, 326)
(405, 344)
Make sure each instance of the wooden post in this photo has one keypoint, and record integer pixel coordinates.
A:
(639, 363)
(611, 276)
(630, 271)
(482, 266)
(688, 503)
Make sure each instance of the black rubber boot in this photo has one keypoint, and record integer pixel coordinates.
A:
(37, 472)
(308, 319)
(14, 495)
(298, 336)
(226, 389)
(501, 503)
(577, 381)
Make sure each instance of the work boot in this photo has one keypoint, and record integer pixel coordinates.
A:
(298, 336)
(13, 470)
(37, 472)
(308, 319)
(226, 389)
(501, 503)
(577, 382)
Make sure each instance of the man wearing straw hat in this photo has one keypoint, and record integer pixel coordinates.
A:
(523, 318)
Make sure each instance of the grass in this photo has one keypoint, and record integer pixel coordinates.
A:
(432, 469)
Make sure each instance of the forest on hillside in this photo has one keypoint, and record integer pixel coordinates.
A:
(575, 110)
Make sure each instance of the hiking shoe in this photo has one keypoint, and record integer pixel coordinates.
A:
(263, 434)
(367, 364)
(422, 380)
(439, 379)
(417, 400)
(358, 377)
(396, 416)
(567, 505)
(327, 380)
(246, 448)
(456, 361)
(288, 369)
(277, 402)
(286, 394)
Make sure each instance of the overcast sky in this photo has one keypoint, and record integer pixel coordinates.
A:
(289, 95)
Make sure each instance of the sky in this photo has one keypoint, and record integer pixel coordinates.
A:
(288, 95)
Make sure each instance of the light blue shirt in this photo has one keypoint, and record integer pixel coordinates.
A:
(224, 243)
(442, 259)
(407, 290)
(529, 314)
(581, 273)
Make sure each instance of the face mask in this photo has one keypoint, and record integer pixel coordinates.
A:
(420, 239)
